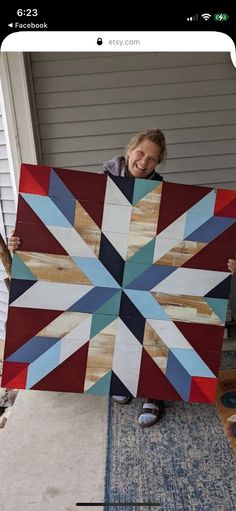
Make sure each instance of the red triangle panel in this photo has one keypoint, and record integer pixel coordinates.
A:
(69, 376)
(203, 390)
(14, 375)
(223, 246)
(201, 336)
(92, 189)
(34, 179)
(225, 203)
(19, 331)
(95, 210)
(176, 199)
(39, 238)
(151, 377)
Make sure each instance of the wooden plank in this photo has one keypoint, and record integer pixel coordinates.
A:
(53, 268)
(187, 308)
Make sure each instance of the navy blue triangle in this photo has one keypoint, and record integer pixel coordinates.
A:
(111, 259)
(128, 309)
(222, 290)
(107, 250)
(136, 326)
(126, 186)
(18, 288)
(117, 388)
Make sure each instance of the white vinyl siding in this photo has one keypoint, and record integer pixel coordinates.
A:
(89, 105)
(7, 219)
(6, 197)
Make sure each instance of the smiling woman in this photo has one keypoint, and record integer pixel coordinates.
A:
(143, 153)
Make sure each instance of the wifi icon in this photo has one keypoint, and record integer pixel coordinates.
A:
(206, 16)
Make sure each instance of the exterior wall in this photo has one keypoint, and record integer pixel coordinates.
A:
(7, 211)
(89, 105)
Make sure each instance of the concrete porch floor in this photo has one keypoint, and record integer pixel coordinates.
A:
(53, 450)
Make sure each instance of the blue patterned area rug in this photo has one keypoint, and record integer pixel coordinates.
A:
(185, 463)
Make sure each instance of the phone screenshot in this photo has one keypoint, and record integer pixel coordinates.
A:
(118, 260)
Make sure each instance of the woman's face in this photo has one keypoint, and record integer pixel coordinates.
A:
(143, 159)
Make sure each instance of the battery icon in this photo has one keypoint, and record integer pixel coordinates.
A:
(221, 17)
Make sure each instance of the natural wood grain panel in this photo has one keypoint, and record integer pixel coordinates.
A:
(92, 239)
(100, 357)
(187, 308)
(145, 213)
(63, 324)
(160, 360)
(152, 339)
(83, 221)
(181, 253)
(136, 242)
(93, 375)
(53, 268)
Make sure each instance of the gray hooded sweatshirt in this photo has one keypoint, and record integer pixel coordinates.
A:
(117, 167)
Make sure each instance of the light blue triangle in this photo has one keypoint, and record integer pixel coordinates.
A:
(145, 254)
(198, 214)
(219, 306)
(20, 270)
(102, 387)
(145, 302)
(204, 206)
(100, 321)
(112, 306)
(142, 187)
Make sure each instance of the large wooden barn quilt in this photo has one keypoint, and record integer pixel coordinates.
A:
(120, 285)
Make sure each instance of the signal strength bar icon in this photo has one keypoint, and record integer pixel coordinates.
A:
(193, 18)
(206, 16)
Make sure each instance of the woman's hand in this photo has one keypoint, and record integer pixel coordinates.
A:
(232, 265)
(13, 242)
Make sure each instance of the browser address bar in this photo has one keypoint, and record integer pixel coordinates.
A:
(119, 41)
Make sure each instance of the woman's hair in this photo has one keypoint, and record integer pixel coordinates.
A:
(155, 135)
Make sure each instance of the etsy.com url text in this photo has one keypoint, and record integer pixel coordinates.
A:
(124, 42)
